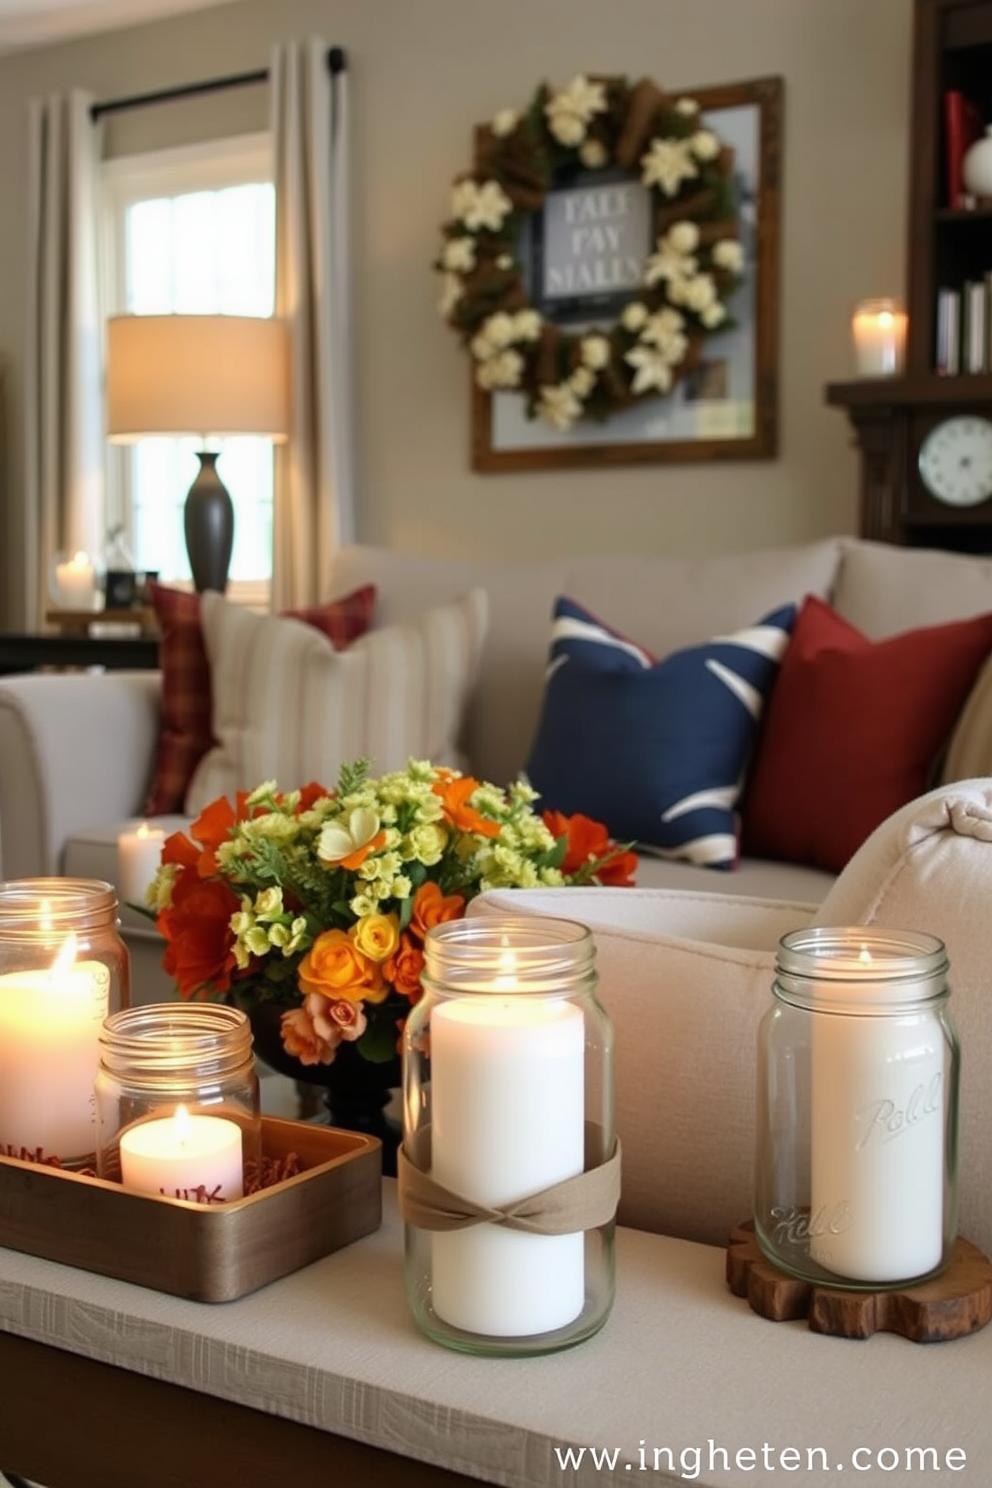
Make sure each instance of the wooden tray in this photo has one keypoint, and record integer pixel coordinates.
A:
(207, 1253)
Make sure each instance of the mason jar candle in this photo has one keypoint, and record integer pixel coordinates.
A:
(857, 1099)
(878, 329)
(509, 1170)
(63, 969)
(177, 1100)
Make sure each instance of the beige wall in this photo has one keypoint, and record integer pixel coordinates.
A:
(423, 73)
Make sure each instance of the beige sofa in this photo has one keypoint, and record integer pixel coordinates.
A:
(76, 750)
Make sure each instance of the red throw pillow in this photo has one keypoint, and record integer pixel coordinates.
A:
(852, 732)
(185, 733)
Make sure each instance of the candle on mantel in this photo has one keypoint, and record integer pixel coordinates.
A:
(879, 330)
(877, 1139)
(75, 583)
(50, 1022)
(184, 1155)
(139, 854)
(507, 1120)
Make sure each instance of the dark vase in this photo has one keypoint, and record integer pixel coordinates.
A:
(356, 1091)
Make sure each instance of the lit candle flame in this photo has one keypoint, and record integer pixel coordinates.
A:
(865, 956)
(66, 956)
(506, 980)
(182, 1125)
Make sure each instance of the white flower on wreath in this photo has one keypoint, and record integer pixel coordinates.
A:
(559, 406)
(504, 370)
(495, 333)
(728, 254)
(713, 315)
(480, 206)
(705, 145)
(697, 294)
(452, 290)
(665, 331)
(504, 261)
(671, 262)
(687, 107)
(667, 164)
(527, 325)
(582, 382)
(682, 237)
(569, 111)
(653, 370)
(633, 316)
(594, 352)
(458, 255)
(505, 123)
(593, 154)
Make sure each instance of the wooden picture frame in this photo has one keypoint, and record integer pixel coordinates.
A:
(698, 420)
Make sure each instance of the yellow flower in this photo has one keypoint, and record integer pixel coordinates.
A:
(348, 835)
(376, 936)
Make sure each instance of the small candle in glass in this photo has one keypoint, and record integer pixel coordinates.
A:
(879, 331)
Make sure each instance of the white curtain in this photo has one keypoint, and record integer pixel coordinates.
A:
(314, 495)
(63, 395)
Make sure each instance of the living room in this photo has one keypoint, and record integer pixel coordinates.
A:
(321, 1374)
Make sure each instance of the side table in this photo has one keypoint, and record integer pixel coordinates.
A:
(26, 653)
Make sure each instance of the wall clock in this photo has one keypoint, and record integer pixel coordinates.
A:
(955, 460)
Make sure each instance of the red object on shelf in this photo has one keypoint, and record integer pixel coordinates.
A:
(963, 125)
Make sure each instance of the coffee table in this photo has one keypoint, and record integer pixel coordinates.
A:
(322, 1379)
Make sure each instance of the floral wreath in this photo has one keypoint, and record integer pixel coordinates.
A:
(697, 263)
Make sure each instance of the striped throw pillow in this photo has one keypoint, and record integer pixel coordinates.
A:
(288, 707)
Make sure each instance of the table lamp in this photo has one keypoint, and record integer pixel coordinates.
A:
(202, 375)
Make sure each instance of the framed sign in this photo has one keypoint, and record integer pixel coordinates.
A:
(584, 255)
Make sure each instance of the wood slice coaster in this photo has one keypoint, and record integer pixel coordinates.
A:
(952, 1305)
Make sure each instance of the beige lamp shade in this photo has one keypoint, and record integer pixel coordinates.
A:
(196, 374)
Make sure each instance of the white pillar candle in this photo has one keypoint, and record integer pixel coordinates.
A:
(75, 583)
(184, 1156)
(508, 1112)
(139, 854)
(879, 329)
(877, 1143)
(50, 1024)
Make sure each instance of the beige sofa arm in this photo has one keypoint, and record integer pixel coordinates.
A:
(76, 749)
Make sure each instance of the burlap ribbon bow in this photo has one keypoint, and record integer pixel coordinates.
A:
(583, 1202)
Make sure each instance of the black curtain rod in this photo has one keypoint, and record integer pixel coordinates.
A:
(335, 62)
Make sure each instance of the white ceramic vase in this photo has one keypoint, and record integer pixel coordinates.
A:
(976, 168)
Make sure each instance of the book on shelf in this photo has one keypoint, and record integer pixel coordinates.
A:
(963, 125)
(947, 352)
(974, 327)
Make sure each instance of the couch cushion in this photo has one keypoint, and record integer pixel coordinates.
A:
(853, 731)
(686, 979)
(884, 589)
(929, 868)
(289, 708)
(667, 603)
(185, 732)
(655, 749)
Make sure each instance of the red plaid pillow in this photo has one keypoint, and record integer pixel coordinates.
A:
(185, 733)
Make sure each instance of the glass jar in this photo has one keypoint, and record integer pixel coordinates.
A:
(857, 1103)
(878, 330)
(507, 1095)
(63, 969)
(177, 1101)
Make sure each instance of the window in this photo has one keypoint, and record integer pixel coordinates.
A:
(191, 231)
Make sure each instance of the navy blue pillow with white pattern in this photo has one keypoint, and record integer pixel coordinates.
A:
(657, 750)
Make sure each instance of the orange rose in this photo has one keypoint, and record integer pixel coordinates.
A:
(431, 907)
(302, 1039)
(587, 840)
(348, 1018)
(404, 967)
(334, 967)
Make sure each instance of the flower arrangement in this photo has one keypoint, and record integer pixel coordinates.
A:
(686, 281)
(319, 901)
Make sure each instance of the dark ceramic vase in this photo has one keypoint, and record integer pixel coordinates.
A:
(356, 1091)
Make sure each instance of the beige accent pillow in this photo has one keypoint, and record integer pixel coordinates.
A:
(969, 753)
(686, 979)
(929, 867)
(288, 707)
